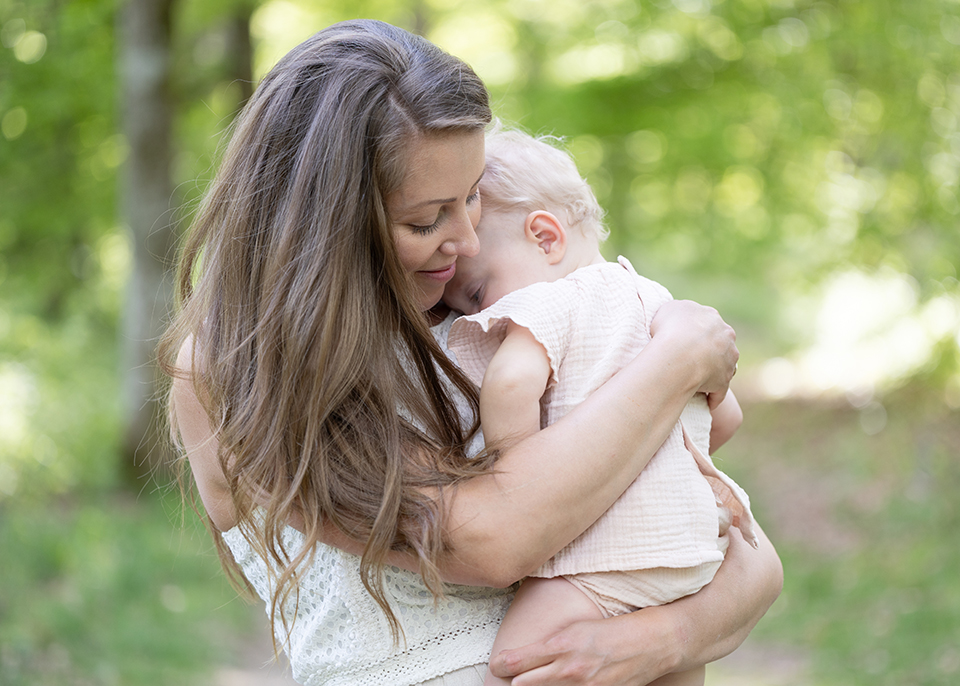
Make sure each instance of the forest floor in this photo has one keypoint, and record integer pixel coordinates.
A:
(757, 663)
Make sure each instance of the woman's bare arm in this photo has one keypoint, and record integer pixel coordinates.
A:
(200, 445)
(548, 489)
(552, 485)
(642, 646)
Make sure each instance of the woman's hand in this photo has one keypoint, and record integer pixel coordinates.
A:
(604, 652)
(705, 337)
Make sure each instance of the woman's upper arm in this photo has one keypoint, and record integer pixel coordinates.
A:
(200, 445)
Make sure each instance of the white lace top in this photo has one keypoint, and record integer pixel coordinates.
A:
(340, 636)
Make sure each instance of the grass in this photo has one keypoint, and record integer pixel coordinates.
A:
(109, 591)
(98, 587)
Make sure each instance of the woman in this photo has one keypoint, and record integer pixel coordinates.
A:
(328, 433)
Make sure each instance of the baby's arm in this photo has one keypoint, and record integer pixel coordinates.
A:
(512, 385)
(727, 418)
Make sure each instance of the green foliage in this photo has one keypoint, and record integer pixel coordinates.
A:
(60, 151)
(62, 264)
(746, 150)
(109, 593)
(803, 117)
(60, 406)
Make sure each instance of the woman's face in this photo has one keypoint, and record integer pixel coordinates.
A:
(435, 211)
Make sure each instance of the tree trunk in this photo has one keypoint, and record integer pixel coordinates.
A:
(239, 52)
(148, 210)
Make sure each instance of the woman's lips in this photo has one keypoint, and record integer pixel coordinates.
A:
(441, 275)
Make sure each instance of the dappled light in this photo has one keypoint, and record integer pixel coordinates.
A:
(18, 398)
(485, 39)
(865, 334)
(14, 123)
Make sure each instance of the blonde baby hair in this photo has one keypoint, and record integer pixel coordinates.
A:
(527, 173)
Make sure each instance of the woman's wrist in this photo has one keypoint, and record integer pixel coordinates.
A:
(663, 638)
(683, 361)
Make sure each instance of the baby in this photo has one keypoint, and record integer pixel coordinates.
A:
(549, 321)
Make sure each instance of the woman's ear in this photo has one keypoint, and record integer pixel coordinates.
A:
(544, 229)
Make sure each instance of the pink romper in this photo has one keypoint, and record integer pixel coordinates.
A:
(666, 535)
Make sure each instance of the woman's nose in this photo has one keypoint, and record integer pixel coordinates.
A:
(462, 240)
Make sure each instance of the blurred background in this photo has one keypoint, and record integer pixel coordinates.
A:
(793, 163)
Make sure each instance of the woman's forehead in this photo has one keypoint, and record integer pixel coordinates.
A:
(440, 169)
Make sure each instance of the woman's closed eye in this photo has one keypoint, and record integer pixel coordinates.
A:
(429, 228)
(423, 229)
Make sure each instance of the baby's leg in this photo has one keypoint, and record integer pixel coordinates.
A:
(693, 677)
(541, 608)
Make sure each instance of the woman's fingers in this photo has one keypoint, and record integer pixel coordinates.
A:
(587, 653)
(700, 332)
(510, 663)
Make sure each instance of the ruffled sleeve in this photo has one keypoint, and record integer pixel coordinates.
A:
(547, 310)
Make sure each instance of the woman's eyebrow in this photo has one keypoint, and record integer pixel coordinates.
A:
(439, 201)
(444, 201)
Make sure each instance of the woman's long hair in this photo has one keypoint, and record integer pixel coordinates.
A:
(307, 333)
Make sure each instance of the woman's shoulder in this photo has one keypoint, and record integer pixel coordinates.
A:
(199, 441)
(184, 363)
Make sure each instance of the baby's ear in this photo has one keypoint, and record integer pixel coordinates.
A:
(548, 233)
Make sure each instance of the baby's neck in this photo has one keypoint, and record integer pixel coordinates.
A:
(582, 253)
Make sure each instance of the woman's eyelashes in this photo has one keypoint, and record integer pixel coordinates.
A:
(423, 229)
(430, 228)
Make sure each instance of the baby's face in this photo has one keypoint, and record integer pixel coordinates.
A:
(505, 263)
